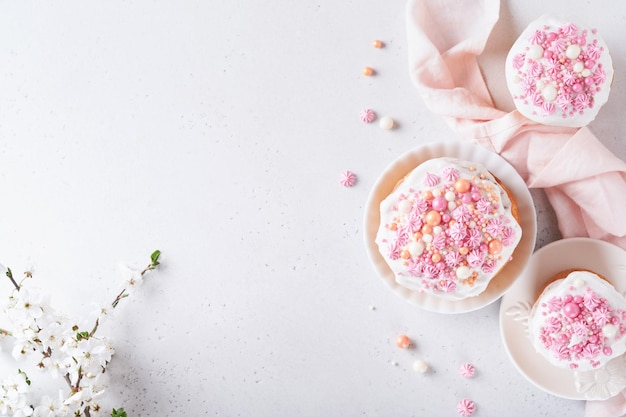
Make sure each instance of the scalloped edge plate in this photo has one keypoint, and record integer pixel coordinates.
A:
(500, 168)
(599, 256)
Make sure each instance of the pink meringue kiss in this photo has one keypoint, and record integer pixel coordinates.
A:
(467, 370)
(367, 115)
(347, 179)
(465, 407)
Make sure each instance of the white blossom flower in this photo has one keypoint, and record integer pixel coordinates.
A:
(132, 278)
(49, 407)
(14, 396)
(29, 302)
(61, 348)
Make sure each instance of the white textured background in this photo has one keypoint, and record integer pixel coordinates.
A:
(216, 131)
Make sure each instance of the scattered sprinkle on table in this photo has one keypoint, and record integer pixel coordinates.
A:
(368, 71)
(467, 370)
(367, 115)
(420, 366)
(465, 407)
(403, 341)
(386, 123)
(347, 178)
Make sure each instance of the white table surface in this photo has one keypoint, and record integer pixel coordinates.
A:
(215, 131)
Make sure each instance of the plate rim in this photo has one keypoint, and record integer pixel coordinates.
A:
(401, 166)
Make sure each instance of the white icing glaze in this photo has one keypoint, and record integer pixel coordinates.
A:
(447, 229)
(588, 339)
(559, 73)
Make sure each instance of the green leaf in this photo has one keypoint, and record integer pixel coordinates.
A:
(19, 371)
(155, 256)
(82, 335)
(118, 413)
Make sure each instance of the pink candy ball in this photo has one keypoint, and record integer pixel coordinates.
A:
(571, 310)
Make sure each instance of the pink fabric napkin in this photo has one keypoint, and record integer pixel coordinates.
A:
(584, 181)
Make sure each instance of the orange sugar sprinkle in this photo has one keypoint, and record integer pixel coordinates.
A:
(368, 71)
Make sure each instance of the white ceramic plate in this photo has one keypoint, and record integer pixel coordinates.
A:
(501, 169)
(584, 253)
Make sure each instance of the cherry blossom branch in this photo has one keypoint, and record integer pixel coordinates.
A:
(154, 262)
(81, 372)
(9, 274)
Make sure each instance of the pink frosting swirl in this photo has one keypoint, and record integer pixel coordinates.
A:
(494, 227)
(347, 178)
(535, 69)
(431, 180)
(569, 29)
(475, 257)
(453, 259)
(518, 61)
(467, 370)
(458, 232)
(564, 100)
(447, 286)
(483, 205)
(594, 51)
(591, 300)
(569, 78)
(554, 304)
(461, 214)
(489, 266)
(367, 115)
(559, 45)
(601, 316)
(474, 238)
(538, 37)
(548, 108)
(465, 407)
(599, 76)
(421, 206)
(581, 102)
(451, 174)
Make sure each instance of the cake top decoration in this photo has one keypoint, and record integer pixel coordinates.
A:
(559, 72)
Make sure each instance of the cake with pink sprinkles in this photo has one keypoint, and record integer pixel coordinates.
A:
(448, 228)
(579, 321)
(559, 73)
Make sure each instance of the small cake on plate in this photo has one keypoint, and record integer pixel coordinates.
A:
(448, 228)
(559, 72)
(579, 321)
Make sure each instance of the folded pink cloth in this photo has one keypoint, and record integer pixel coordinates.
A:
(584, 181)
